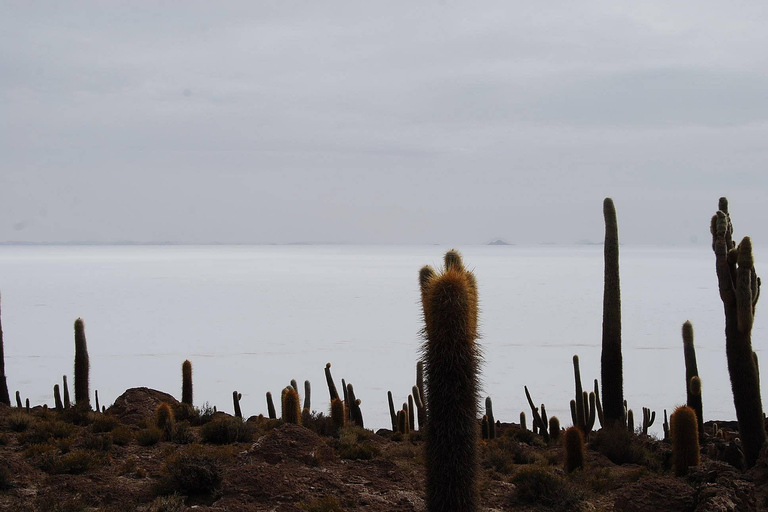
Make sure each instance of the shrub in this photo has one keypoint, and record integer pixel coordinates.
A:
(185, 412)
(183, 434)
(539, 486)
(204, 413)
(104, 423)
(502, 453)
(122, 435)
(44, 431)
(149, 436)
(355, 444)
(76, 462)
(172, 503)
(99, 442)
(193, 472)
(226, 429)
(619, 445)
(19, 422)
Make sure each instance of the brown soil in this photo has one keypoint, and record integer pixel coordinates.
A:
(292, 468)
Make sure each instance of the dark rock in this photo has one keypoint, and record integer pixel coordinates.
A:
(292, 442)
(656, 495)
(137, 404)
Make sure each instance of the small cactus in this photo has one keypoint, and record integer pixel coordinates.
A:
(164, 420)
(421, 410)
(236, 402)
(4, 396)
(392, 413)
(291, 406)
(307, 400)
(271, 407)
(403, 423)
(522, 421)
(685, 439)
(693, 400)
(411, 414)
(574, 449)
(648, 418)
(18, 400)
(598, 405)
(539, 420)
(26, 403)
(186, 382)
(331, 385)
(96, 393)
(355, 414)
(82, 366)
(491, 419)
(631, 421)
(554, 428)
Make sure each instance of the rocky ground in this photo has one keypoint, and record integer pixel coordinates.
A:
(121, 461)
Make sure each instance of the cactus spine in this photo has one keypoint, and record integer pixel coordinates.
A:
(611, 369)
(291, 406)
(691, 370)
(82, 366)
(685, 439)
(739, 291)
(449, 302)
(57, 398)
(4, 396)
(65, 386)
(236, 402)
(186, 382)
(491, 419)
(574, 449)
(271, 407)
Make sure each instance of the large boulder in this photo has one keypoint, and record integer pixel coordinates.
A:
(137, 404)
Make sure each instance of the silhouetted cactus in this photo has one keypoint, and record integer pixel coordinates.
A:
(739, 291)
(491, 419)
(355, 414)
(580, 420)
(291, 406)
(57, 398)
(421, 410)
(411, 413)
(665, 426)
(484, 428)
(648, 418)
(631, 421)
(271, 407)
(26, 403)
(573, 440)
(539, 424)
(65, 387)
(4, 396)
(611, 370)
(685, 439)
(693, 401)
(186, 382)
(451, 360)
(236, 402)
(554, 428)
(82, 366)
(598, 405)
(338, 416)
(522, 421)
(295, 385)
(392, 413)
(307, 398)
(403, 423)
(18, 400)
(96, 393)
(331, 385)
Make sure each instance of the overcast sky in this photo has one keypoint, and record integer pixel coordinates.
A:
(381, 122)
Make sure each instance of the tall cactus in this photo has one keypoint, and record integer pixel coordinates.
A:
(82, 367)
(65, 387)
(421, 410)
(271, 407)
(685, 439)
(4, 396)
(692, 370)
(57, 398)
(739, 291)
(236, 403)
(449, 302)
(539, 421)
(331, 385)
(355, 413)
(307, 398)
(291, 406)
(574, 449)
(611, 370)
(186, 382)
(491, 419)
(392, 413)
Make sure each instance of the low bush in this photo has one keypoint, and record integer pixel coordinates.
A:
(149, 436)
(104, 423)
(98, 442)
(44, 431)
(225, 430)
(122, 435)
(20, 422)
(183, 434)
(172, 503)
(622, 447)
(536, 485)
(355, 444)
(193, 471)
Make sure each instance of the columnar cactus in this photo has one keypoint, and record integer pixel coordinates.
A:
(451, 358)
(338, 416)
(18, 400)
(96, 393)
(82, 366)
(574, 449)
(291, 406)
(4, 396)
(236, 402)
(403, 423)
(411, 414)
(554, 428)
(331, 385)
(522, 421)
(539, 420)
(685, 439)
(491, 419)
(26, 404)
(271, 407)
(164, 420)
(65, 386)
(484, 427)
(422, 394)
(186, 382)
(57, 398)
(691, 370)
(611, 369)
(392, 413)
(307, 397)
(631, 421)
(355, 413)
(421, 410)
(648, 418)
(739, 291)
(584, 406)
(665, 426)
(598, 404)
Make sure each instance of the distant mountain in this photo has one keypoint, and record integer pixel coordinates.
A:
(498, 241)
